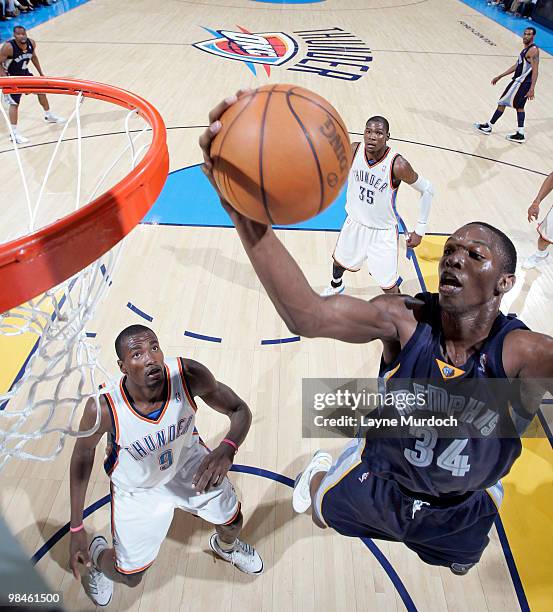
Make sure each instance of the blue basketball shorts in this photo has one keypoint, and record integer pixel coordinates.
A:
(359, 504)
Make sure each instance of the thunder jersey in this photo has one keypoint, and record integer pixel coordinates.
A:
(147, 451)
(18, 64)
(371, 197)
(523, 71)
(471, 455)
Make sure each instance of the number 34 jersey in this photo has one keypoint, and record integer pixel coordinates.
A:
(456, 432)
(147, 451)
(371, 196)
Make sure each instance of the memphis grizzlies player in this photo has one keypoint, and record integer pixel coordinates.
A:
(370, 231)
(15, 56)
(439, 495)
(156, 463)
(520, 89)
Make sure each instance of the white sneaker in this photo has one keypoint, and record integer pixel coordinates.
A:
(533, 261)
(243, 556)
(301, 499)
(19, 138)
(51, 118)
(97, 585)
(330, 290)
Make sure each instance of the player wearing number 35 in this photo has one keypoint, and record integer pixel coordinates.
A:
(156, 462)
(370, 231)
(436, 493)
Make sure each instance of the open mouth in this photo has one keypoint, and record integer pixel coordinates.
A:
(154, 372)
(450, 284)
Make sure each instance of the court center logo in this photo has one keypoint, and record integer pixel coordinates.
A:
(330, 52)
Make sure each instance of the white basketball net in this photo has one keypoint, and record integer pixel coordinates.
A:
(63, 370)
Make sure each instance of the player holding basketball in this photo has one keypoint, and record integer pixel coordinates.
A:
(370, 231)
(436, 494)
(156, 463)
(15, 56)
(520, 89)
(545, 228)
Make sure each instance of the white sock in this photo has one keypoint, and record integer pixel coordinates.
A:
(15, 130)
(520, 130)
(541, 254)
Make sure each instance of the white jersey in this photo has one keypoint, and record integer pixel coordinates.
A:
(371, 197)
(148, 452)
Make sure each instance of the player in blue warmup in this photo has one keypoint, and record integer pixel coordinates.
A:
(156, 463)
(437, 491)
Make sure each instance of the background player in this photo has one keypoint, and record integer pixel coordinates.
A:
(545, 228)
(520, 89)
(15, 56)
(370, 230)
(437, 495)
(156, 463)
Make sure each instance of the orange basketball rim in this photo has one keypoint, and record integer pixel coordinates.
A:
(36, 262)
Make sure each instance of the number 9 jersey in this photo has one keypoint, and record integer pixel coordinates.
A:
(147, 451)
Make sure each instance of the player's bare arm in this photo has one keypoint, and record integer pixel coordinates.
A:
(82, 461)
(545, 190)
(534, 59)
(529, 355)
(403, 171)
(223, 399)
(305, 313)
(6, 53)
(35, 60)
(504, 74)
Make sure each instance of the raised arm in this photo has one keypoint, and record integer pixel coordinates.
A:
(223, 399)
(82, 461)
(403, 171)
(304, 312)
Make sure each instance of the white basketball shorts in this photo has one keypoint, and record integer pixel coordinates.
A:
(545, 228)
(140, 519)
(378, 247)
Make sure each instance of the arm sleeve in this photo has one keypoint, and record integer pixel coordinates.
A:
(426, 189)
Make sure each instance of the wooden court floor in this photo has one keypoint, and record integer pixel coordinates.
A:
(429, 75)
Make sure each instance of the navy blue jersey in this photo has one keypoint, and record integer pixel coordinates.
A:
(523, 70)
(481, 447)
(18, 64)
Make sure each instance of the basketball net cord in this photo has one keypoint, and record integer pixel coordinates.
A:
(62, 370)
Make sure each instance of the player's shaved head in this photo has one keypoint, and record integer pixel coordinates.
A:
(503, 244)
(379, 119)
(129, 332)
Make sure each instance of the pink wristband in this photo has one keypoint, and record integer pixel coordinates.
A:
(76, 529)
(231, 443)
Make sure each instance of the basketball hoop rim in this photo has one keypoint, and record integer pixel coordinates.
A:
(34, 263)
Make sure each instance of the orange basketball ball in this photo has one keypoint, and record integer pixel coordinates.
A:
(282, 155)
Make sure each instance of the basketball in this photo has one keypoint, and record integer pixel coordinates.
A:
(282, 155)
